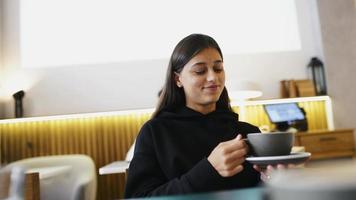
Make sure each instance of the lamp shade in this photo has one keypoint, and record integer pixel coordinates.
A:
(243, 90)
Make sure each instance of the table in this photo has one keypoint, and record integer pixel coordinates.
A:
(122, 165)
(115, 167)
(244, 194)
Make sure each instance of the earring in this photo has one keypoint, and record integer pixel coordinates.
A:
(179, 85)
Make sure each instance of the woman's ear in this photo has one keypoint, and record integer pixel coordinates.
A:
(176, 78)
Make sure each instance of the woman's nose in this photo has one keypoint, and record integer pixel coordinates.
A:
(212, 76)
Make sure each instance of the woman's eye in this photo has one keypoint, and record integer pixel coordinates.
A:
(218, 69)
(200, 72)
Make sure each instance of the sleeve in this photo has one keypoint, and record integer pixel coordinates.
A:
(146, 177)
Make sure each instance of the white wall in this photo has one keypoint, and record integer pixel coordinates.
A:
(119, 86)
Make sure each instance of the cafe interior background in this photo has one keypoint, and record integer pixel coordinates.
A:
(86, 64)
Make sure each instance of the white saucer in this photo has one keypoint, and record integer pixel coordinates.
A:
(293, 158)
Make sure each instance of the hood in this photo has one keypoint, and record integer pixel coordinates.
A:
(190, 114)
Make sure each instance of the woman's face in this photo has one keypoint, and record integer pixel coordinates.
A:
(203, 80)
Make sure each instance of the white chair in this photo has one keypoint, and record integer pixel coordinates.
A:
(12, 183)
(63, 177)
(120, 166)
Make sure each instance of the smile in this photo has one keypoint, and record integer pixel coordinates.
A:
(212, 88)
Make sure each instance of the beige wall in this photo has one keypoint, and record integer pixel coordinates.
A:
(129, 85)
(9, 34)
(1, 57)
(338, 30)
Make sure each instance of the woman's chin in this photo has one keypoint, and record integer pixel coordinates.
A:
(210, 101)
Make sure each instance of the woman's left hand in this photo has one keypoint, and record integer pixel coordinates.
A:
(266, 172)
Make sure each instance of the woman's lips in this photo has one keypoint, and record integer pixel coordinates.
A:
(212, 88)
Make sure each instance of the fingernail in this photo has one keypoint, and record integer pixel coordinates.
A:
(239, 136)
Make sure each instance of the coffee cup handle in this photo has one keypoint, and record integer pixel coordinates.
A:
(250, 150)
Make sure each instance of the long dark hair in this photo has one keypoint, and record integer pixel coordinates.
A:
(172, 96)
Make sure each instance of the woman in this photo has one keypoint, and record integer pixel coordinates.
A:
(193, 142)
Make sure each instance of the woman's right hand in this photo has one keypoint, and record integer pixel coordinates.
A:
(227, 157)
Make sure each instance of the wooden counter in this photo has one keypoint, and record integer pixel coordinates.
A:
(326, 144)
(106, 137)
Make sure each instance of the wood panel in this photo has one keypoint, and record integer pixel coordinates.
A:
(328, 144)
(5, 178)
(32, 186)
(104, 138)
(316, 115)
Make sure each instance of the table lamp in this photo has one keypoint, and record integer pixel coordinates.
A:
(18, 103)
(243, 90)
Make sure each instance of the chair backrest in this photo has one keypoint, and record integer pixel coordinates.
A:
(12, 183)
(63, 177)
(130, 152)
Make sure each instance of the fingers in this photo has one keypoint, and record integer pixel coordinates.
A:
(257, 168)
(270, 168)
(238, 137)
(265, 176)
(227, 158)
(233, 163)
(233, 159)
(233, 145)
(231, 168)
(235, 155)
(232, 172)
(266, 173)
(280, 166)
(291, 166)
(260, 168)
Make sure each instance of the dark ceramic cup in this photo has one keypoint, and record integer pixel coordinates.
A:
(270, 144)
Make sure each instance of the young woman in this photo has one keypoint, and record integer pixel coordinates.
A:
(193, 142)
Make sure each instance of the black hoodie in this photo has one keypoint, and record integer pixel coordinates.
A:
(171, 154)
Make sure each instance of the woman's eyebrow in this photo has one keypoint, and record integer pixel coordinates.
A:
(204, 63)
(199, 63)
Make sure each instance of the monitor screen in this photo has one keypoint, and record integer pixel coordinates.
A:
(285, 112)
